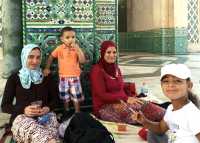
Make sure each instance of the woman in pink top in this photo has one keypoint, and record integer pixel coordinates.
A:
(108, 88)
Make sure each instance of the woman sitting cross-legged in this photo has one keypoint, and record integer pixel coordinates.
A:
(110, 101)
(32, 118)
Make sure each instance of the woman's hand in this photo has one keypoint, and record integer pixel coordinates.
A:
(133, 100)
(139, 117)
(35, 110)
(32, 110)
(44, 110)
(119, 107)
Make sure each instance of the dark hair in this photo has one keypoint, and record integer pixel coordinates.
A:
(65, 29)
(194, 99)
(38, 48)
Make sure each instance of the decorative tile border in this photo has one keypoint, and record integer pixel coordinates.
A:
(47, 17)
(162, 41)
(93, 20)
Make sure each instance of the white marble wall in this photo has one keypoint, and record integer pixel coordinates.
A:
(1, 49)
(155, 14)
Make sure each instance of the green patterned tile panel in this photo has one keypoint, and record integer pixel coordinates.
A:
(93, 20)
(162, 41)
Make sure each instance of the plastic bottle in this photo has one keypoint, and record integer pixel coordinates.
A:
(144, 90)
(44, 119)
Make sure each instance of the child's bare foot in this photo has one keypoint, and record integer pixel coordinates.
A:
(52, 141)
(66, 106)
(77, 107)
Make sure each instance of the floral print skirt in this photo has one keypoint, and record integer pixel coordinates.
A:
(28, 130)
(119, 113)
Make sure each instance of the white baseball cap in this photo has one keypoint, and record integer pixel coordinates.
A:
(178, 70)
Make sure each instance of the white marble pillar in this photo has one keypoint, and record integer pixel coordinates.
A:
(12, 34)
(1, 48)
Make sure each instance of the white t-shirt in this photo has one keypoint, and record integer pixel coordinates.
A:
(184, 124)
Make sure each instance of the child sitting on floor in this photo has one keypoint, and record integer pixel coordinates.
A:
(182, 116)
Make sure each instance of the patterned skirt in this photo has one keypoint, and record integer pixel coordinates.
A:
(120, 114)
(151, 111)
(27, 130)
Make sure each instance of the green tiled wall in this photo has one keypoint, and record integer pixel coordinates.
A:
(162, 41)
(93, 20)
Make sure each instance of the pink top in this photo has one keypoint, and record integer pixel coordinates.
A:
(105, 89)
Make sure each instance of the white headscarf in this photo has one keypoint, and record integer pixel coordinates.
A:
(27, 75)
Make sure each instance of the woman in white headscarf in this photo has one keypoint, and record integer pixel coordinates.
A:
(36, 96)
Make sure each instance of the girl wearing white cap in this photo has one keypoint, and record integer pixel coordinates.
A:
(182, 116)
